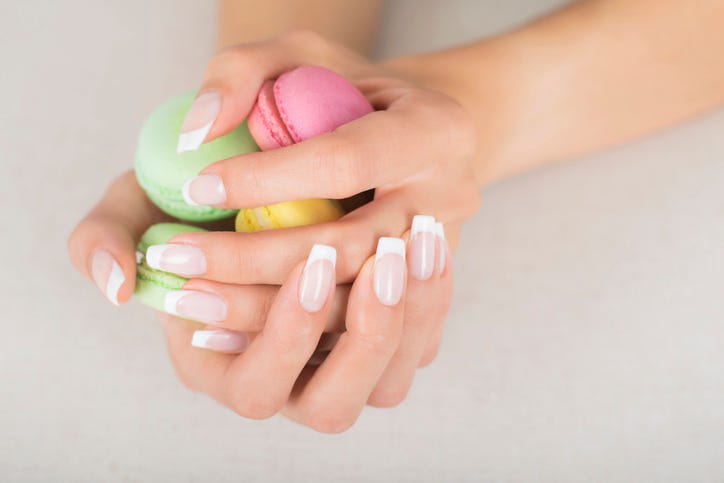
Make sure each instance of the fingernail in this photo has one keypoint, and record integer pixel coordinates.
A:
(220, 340)
(440, 232)
(422, 247)
(317, 278)
(202, 306)
(389, 271)
(184, 260)
(107, 275)
(198, 121)
(207, 189)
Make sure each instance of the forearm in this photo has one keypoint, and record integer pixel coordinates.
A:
(349, 22)
(590, 76)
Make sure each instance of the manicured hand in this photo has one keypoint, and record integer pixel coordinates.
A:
(103, 247)
(415, 151)
(393, 325)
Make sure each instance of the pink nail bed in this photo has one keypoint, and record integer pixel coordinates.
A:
(318, 278)
(184, 260)
(421, 250)
(197, 305)
(204, 190)
(220, 340)
(389, 270)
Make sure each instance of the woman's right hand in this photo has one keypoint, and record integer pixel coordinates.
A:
(389, 321)
(109, 233)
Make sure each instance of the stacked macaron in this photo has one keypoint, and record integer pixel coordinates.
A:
(305, 102)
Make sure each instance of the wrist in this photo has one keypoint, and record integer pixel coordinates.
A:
(485, 78)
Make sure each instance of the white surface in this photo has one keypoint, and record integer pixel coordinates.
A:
(585, 341)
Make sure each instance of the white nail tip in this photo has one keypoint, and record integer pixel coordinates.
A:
(171, 299)
(440, 233)
(153, 256)
(185, 193)
(440, 230)
(190, 141)
(422, 223)
(115, 280)
(201, 338)
(387, 245)
(322, 252)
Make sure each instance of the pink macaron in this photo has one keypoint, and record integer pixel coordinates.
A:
(303, 103)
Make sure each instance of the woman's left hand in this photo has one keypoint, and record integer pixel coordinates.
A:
(415, 150)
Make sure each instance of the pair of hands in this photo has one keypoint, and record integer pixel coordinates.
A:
(414, 150)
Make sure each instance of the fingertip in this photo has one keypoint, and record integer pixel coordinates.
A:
(113, 275)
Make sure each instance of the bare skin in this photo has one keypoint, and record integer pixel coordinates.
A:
(589, 76)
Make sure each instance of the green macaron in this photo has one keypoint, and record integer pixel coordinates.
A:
(152, 285)
(162, 172)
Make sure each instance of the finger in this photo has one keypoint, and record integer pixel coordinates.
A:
(102, 247)
(235, 75)
(242, 308)
(266, 257)
(198, 370)
(259, 382)
(428, 296)
(334, 396)
(375, 150)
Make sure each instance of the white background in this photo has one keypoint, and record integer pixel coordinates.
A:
(585, 341)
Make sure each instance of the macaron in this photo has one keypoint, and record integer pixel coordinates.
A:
(300, 104)
(152, 285)
(288, 214)
(162, 172)
(303, 103)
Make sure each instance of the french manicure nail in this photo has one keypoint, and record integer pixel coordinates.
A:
(220, 340)
(440, 232)
(389, 270)
(107, 275)
(422, 247)
(198, 121)
(184, 260)
(193, 304)
(207, 189)
(317, 278)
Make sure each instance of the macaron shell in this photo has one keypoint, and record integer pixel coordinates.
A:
(313, 100)
(265, 123)
(162, 172)
(151, 284)
(288, 214)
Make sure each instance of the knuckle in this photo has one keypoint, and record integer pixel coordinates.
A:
(359, 242)
(388, 397)
(331, 422)
(302, 36)
(310, 42)
(342, 160)
(429, 355)
(375, 340)
(183, 374)
(252, 406)
(185, 381)
(288, 343)
(228, 56)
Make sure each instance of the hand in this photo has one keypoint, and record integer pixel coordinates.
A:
(414, 151)
(119, 219)
(393, 324)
